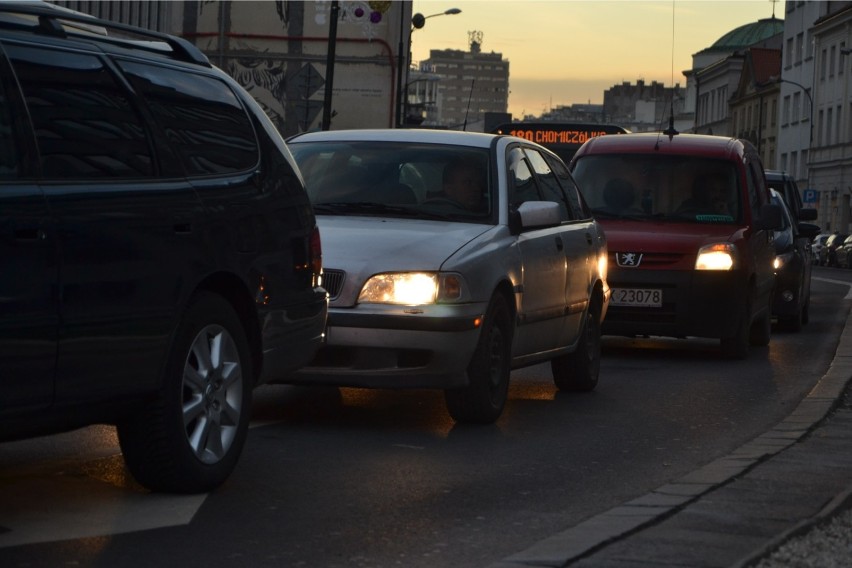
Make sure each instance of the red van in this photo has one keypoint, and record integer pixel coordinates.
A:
(689, 225)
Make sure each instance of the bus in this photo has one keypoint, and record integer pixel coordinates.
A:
(562, 138)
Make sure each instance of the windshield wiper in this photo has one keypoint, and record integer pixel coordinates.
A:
(363, 207)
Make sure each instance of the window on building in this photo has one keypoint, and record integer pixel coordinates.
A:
(823, 62)
(783, 162)
(785, 111)
(841, 63)
(831, 60)
(795, 111)
(788, 53)
(829, 121)
(800, 47)
(793, 164)
(804, 168)
(774, 113)
(819, 129)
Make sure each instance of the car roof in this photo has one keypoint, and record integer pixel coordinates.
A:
(657, 142)
(777, 175)
(429, 136)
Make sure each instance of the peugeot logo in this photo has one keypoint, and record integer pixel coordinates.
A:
(628, 259)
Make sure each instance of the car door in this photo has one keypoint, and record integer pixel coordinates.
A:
(541, 304)
(28, 266)
(577, 242)
(124, 234)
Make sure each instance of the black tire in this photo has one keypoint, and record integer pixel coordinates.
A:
(579, 371)
(189, 438)
(736, 346)
(483, 399)
(761, 329)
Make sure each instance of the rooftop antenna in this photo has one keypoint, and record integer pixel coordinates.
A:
(670, 131)
(469, 96)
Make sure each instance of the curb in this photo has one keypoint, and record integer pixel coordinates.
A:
(631, 517)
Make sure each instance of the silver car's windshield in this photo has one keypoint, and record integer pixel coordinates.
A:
(660, 188)
(408, 180)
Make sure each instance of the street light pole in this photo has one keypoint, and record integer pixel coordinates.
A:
(418, 20)
(810, 102)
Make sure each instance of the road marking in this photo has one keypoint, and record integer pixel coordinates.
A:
(87, 500)
(841, 282)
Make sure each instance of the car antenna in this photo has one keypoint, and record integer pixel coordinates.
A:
(469, 96)
(671, 132)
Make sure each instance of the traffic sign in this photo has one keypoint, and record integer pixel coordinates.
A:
(810, 196)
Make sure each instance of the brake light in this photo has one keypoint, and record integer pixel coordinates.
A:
(316, 255)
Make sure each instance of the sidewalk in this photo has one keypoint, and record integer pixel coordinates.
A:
(737, 510)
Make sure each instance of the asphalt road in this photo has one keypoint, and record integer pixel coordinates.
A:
(347, 477)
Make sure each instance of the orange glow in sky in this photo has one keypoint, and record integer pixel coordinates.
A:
(563, 52)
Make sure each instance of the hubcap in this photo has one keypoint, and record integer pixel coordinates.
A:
(212, 393)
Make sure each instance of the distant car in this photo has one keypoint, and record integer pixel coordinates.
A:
(818, 247)
(843, 254)
(786, 186)
(793, 266)
(159, 256)
(688, 220)
(452, 258)
(831, 245)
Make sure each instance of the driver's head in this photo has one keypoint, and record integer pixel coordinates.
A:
(464, 182)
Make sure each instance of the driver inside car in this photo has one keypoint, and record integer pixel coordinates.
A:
(464, 183)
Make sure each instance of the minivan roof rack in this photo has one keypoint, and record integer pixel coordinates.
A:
(49, 19)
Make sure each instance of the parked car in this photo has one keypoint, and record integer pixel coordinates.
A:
(452, 258)
(818, 248)
(689, 240)
(786, 186)
(158, 251)
(793, 267)
(843, 254)
(831, 245)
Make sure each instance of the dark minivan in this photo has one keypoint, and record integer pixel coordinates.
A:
(158, 251)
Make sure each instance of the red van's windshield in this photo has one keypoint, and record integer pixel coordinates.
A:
(660, 187)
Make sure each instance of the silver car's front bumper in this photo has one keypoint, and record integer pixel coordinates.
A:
(381, 346)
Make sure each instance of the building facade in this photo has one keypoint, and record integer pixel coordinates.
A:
(472, 83)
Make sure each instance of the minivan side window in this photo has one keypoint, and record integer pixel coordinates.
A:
(200, 115)
(64, 92)
(9, 162)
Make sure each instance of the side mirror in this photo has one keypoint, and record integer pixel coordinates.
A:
(808, 230)
(807, 214)
(770, 217)
(539, 214)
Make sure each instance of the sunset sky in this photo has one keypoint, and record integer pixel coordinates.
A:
(562, 52)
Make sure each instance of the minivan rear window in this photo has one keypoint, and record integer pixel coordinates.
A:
(660, 187)
(200, 115)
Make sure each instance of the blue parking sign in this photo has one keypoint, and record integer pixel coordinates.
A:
(810, 196)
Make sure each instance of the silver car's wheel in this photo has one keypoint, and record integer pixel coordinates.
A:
(189, 437)
(482, 401)
(579, 371)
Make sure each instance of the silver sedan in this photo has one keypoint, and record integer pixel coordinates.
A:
(451, 258)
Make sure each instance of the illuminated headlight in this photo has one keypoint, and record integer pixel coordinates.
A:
(412, 288)
(719, 256)
(603, 263)
(781, 260)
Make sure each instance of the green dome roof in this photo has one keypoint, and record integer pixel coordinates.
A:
(748, 34)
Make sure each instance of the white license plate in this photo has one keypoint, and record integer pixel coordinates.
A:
(637, 297)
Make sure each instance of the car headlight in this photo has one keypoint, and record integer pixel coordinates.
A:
(412, 288)
(781, 260)
(719, 256)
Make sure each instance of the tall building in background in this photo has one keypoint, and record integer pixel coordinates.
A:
(644, 107)
(472, 83)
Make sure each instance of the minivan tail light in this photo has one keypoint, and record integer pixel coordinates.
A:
(316, 254)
